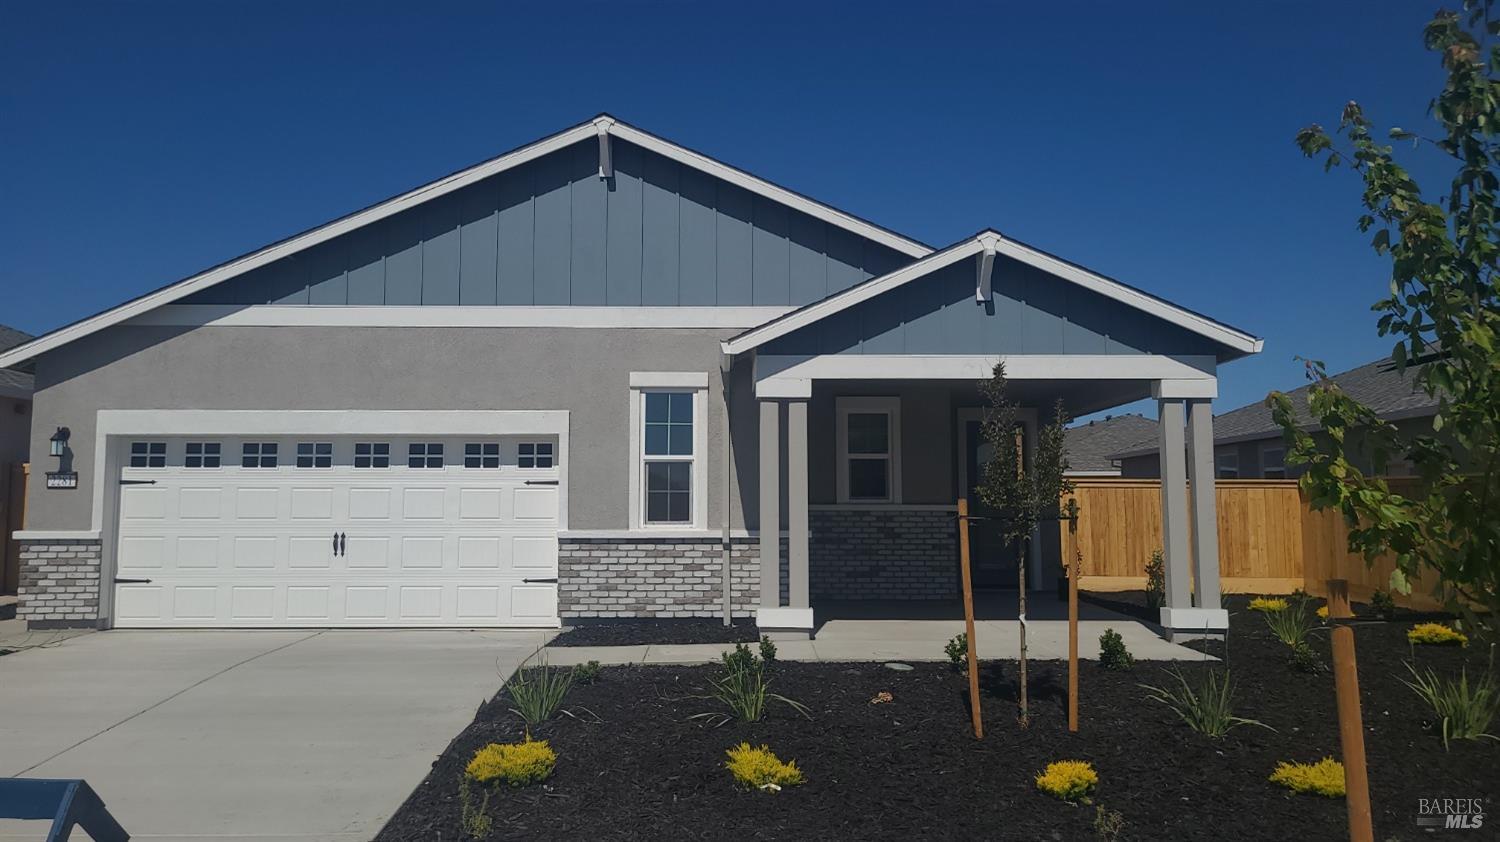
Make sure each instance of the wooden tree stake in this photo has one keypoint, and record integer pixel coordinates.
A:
(1074, 557)
(1351, 725)
(963, 555)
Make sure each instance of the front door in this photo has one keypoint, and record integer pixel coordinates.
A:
(992, 564)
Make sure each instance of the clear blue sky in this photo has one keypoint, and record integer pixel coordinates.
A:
(1152, 142)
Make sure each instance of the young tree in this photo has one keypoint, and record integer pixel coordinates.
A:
(1442, 309)
(1023, 492)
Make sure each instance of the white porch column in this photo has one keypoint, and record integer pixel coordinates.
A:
(1174, 514)
(1181, 616)
(770, 505)
(796, 504)
(1205, 514)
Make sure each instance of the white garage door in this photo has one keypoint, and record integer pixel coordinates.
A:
(338, 531)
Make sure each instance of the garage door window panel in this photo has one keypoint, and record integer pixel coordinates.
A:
(537, 454)
(258, 454)
(148, 454)
(315, 454)
(424, 455)
(203, 454)
(372, 454)
(482, 454)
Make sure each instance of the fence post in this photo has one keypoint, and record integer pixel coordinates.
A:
(1351, 726)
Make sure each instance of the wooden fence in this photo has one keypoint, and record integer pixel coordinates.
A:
(1270, 541)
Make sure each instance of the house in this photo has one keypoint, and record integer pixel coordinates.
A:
(601, 375)
(15, 438)
(1092, 445)
(1248, 442)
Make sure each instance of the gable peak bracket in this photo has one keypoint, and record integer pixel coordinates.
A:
(606, 165)
(986, 267)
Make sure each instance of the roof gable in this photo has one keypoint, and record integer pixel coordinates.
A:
(1038, 304)
(297, 269)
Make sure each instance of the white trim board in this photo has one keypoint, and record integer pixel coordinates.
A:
(315, 315)
(979, 244)
(779, 374)
(443, 186)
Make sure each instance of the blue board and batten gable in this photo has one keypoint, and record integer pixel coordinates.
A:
(1031, 312)
(552, 232)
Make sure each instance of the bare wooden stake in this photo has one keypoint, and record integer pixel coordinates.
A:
(968, 585)
(1351, 725)
(1074, 562)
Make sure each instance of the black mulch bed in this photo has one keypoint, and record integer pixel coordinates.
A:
(657, 633)
(910, 769)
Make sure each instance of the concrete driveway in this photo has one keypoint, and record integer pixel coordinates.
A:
(289, 735)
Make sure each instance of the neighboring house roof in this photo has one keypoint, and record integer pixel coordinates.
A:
(1091, 447)
(1391, 394)
(601, 127)
(989, 243)
(14, 383)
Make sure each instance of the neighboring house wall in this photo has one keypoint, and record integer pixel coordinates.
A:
(1252, 461)
(552, 232)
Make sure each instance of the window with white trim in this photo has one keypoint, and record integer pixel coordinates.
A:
(424, 454)
(482, 454)
(148, 454)
(1227, 465)
(372, 454)
(202, 454)
(1273, 463)
(669, 443)
(869, 449)
(534, 454)
(258, 454)
(315, 454)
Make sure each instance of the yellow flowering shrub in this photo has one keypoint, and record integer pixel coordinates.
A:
(1069, 780)
(1268, 604)
(515, 764)
(1326, 777)
(1436, 634)
(760, 768)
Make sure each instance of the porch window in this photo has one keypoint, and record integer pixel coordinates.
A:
(869, 450)
(669, 442)
(1273, 463)
(1227, 465)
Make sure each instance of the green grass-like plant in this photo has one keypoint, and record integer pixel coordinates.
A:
(1292, 624)
(1208, 707)
(538, 692)
(744, 693)
(1463, 710)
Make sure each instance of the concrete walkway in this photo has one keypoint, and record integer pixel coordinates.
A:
(904, 640)
(288, 735)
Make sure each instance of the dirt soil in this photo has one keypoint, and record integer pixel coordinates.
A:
(632, 766)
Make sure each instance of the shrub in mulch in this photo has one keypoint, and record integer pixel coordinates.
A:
(909, 766)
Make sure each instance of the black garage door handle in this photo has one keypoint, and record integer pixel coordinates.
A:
(553, 580)
(541, 482)
(120, 581)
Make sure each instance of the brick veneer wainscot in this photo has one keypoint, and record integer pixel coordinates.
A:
(657, 577)
(59, 583)
(883, 554)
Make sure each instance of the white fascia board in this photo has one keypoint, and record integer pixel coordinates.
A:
(1242, 342)
(848, 298)
(760, 186)
(983, 243)
(269, 254)
(317, 315)
(448, 184)
(955, 367)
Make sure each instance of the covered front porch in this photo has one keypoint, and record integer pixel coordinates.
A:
(868, 414)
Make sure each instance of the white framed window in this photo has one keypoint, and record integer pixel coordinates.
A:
(372, 454)
(535, 454)
(314, 454)
(1273, 462)
(482, 454)
(202, 454)
(668, 447)
(1227, 465)
(258, 454)
(869, 449)
(424, 454)
(148, 454)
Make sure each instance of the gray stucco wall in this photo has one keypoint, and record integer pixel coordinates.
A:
(552, 232)
(585, 371)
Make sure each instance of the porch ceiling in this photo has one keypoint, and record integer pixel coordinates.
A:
(1079, 397)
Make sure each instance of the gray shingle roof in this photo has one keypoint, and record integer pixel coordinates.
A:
(1390, 394)
(1091, 446)
(10, 379)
